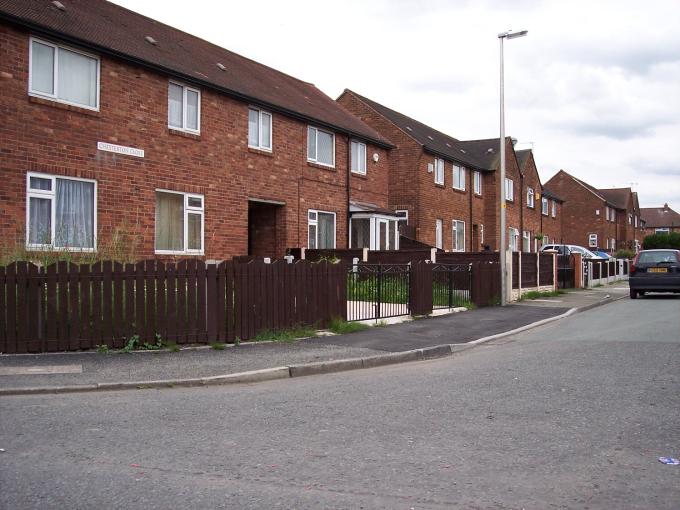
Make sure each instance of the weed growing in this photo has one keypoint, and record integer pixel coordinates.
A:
(285, 335)
(342, 327)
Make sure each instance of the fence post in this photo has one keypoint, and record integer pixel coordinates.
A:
(519, 275)
(538, 270)
(378, 286)
(364, 255)
(302, 253)
(433, 255)
(555, 282)
(508, 268)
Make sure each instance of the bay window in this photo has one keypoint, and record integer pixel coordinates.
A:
(61, 213)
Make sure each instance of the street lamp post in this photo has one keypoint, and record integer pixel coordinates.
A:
(502, 251)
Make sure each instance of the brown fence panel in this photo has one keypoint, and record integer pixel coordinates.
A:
(181, 335)
(118, 304)
(546, 273)
(140, 301)
(62, 275)
(35, 309)
(486, 283)
(161, 300)
(108, 320)
(398, 257)
(51, 317)
(130, 316)
(421, 288)
(515, 270)
(467, 257)
(85, 288)
(529, 268)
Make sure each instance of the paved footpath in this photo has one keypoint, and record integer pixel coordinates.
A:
(88, 368)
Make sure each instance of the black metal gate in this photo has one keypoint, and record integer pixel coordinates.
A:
(565, 272)
(378, 291)
(451, 285)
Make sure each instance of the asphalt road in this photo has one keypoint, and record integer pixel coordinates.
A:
(570, 415)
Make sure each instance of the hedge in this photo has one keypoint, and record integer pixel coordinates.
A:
(656, 241)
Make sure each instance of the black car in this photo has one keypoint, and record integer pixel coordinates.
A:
(655, 271)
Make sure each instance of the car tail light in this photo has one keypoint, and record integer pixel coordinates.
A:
(632, 266)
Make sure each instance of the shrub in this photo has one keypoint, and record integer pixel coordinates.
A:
(624, 254)
(660, 241)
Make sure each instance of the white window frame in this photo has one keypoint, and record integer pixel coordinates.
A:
(509, 190)
(52, 196)
(460, 170)
(260, 145)
(544, 206)
(636, 221)
(402, 218)
(437, 172)
(357, 169)
(315, 159)
(477, 182)
(55, 73)
(481, 234)
(454, 231)
(531, 198)
(185, 88)
(554, 208)
(630, 219)
(513, 239)
(526, 236)
(315, 222)
(187, 210)
(662, 230)
(439, 233)
(592, 240)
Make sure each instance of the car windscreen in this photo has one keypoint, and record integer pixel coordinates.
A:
(657, 257)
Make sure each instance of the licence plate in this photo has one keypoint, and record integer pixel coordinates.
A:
(658, 269)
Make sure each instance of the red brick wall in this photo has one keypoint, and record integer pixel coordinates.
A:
(44, 136)
(552, 227)
(531, 217)
(579, 218)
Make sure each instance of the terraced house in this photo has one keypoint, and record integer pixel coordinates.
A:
(113, 122)
(607, 219)
(447, 190)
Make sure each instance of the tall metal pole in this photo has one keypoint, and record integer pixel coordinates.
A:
(502, 250)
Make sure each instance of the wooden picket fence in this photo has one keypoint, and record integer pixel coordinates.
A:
(70, 307)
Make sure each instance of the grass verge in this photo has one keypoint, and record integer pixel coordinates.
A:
(285, 335)
(342, 327)
(535, 294)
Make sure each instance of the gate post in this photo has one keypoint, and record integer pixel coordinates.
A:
(420, 288)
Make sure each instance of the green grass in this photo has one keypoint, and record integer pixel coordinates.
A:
(535, 294)
(393, 289)
(342, 327)
(217, 346)
(285, 335)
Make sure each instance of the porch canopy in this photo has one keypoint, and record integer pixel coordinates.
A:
(373, 227)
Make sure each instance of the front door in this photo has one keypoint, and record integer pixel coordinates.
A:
(382, 242)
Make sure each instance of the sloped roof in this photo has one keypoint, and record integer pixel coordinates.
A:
(619, 197)
(110, 29)
(523, 157)
(431, 139)
(655, 217)
(549, 194)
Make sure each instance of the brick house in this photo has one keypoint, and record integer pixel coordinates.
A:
(113, 122)
(605, 219)
(541, 211)
(659, 220)
(445, 189)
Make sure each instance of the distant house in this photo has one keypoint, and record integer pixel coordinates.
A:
(446, 190)
(112, 120)
(541, 213)
(660, 220)
(607, 219)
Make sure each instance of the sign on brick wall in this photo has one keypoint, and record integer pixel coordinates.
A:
(120, 149)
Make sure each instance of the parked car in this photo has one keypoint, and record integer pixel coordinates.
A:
(568, 249)
(654, 271)
(603, 254)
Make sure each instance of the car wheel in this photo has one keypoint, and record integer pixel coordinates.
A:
(633, 294)
(642, 292)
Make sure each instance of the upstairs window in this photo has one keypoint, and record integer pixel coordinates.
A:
(320, 146)
(630, 219)
(358, 153)
(63, 74)
(459, 177)
(544, 206)
(477, 183)
(438, 171)
(554, 209)
(184, 108)
(259, 129)
(530, 197)
(509, 190)
(61, 213)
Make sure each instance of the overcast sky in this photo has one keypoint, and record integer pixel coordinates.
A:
(594, 88)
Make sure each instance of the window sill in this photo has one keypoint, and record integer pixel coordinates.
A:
(62, 106)
(321, 166)
(185, 134)
(359, 176)
(478, 195)
(53, 249)
(180, 253)
(439, 185)
(459, 190)
(262, 152)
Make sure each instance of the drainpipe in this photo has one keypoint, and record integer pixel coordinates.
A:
(349, 163)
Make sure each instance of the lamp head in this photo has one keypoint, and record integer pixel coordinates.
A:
(512, 35)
